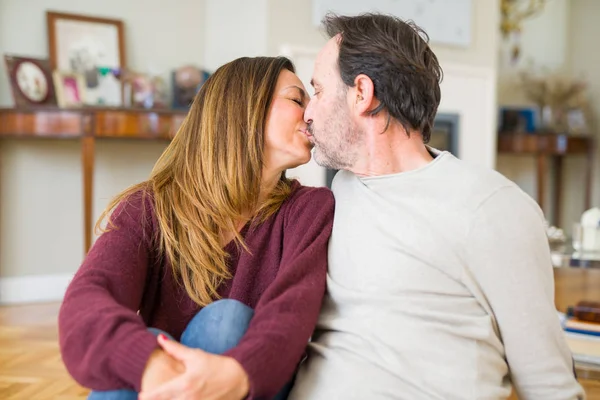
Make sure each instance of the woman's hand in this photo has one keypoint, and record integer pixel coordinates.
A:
(207, 376)
(160, 368)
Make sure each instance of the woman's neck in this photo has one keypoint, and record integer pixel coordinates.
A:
(268, 183)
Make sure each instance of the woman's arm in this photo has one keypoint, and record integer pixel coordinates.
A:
(287, 313)
(104, 342)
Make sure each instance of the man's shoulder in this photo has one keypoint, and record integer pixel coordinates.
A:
(341, 179)
(473, 171)
(475, 182)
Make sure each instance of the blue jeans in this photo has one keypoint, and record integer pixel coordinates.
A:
(217, 328)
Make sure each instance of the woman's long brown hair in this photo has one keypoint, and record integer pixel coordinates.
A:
(208, 179)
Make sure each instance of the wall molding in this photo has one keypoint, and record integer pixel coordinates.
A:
(470, 92)
(33, 288)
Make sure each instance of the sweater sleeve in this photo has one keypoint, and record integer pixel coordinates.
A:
(287, 313)
(509, 258)
(104, 342)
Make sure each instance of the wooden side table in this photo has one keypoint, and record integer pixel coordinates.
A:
(544, 146)
(88, 125)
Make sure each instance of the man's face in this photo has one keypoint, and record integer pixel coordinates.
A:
(330, 122)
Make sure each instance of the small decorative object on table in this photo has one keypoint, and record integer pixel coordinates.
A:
(587, 233)
(141, 91)
(555, 235)
(30, 81)
(144, 91)
(585, 311)
(70, 88)
(160, 92)
(563, 101)
(187, 80)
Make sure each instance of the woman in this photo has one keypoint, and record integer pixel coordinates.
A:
(217, 219)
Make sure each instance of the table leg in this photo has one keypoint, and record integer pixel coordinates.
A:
(557, 191)
(589, 171)
(87, 159)
(542, 170)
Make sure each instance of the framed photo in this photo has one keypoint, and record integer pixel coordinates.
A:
(70, 89)
(30, 81)
(90, 46)
(518, 120)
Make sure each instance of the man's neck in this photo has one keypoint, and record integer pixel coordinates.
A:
(392, 152)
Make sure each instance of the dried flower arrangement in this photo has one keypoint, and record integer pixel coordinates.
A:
(556, 95)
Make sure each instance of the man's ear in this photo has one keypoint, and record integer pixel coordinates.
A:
(365, 94)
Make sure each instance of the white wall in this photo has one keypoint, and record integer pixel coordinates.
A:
(485, 35)
(41, 224)
(584, 60)
(544, 40)
(290, 22)
(470, 92)
(230, 35)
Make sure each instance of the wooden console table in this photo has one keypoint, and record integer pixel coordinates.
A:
(89, 125)
(546, 146)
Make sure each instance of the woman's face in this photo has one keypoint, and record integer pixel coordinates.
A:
(286, 142)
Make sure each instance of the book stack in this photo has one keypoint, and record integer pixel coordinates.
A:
(585, 328)
(582, 329)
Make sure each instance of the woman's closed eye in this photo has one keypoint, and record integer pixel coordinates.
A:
(298, 101)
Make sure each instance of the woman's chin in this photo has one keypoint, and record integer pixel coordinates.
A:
(307, 158)
(300, 161)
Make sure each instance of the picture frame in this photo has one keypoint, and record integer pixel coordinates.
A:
(30, 81)
(70, 89)
(93, 47)
(518, 120)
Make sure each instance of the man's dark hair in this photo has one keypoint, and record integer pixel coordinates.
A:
(396, 56)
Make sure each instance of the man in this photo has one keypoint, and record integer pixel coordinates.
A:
(440, 282)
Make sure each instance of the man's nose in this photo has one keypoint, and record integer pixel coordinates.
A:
(308, 112)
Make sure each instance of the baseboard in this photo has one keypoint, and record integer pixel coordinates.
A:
(33, 289)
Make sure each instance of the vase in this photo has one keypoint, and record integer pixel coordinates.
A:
(554, 119)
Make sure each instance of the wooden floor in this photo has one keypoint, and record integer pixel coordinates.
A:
(30, 363)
